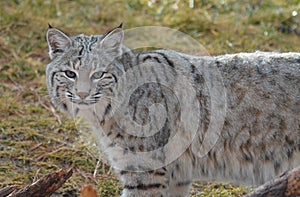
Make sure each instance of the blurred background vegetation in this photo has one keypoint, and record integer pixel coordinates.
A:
(36, 139)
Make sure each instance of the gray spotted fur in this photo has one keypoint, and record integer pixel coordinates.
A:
(261, 132)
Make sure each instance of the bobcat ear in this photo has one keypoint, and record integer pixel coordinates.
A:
(112, 40)
(58, 42)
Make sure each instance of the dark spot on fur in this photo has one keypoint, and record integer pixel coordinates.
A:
(277, 166)
(193, 68)
(122, 172)
(64, 106)
(144, 187)
(119, 136)
(184, 183)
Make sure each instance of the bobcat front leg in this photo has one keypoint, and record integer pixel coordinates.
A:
(181, 176)
(153, 183)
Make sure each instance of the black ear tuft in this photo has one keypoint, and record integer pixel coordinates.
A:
(49, 26)
(121, 25)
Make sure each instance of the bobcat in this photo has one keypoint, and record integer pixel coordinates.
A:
(154, 112)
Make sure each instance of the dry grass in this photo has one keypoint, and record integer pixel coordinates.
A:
(35, 139)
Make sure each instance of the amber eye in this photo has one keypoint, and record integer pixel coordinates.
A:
(70, 74)
(98, 75)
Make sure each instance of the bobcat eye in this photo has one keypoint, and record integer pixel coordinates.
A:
(97, 75)
(70, 74)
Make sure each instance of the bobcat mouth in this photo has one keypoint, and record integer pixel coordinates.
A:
(78, 101)
(82, 102)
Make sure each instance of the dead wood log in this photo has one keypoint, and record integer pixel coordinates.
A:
(45, 186)
(8, 190)
(286, 185)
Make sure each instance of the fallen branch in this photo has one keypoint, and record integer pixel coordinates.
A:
(286, 185)
(8, 190)
(45, 186)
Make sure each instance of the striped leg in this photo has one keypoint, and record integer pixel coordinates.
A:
(145, 184)
(180, 176)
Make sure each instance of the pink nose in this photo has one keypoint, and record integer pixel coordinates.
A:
(82, 95)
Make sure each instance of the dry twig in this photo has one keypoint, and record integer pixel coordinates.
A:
(45, 186)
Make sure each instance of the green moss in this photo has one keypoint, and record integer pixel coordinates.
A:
(217, 189)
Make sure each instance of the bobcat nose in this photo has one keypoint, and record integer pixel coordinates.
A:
(82, 95)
